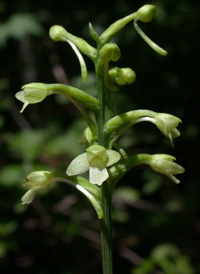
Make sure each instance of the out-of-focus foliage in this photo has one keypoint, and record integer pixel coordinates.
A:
(18, 26)
(58, 233)
(168, 258)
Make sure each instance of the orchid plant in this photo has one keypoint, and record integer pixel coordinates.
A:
(105, 160)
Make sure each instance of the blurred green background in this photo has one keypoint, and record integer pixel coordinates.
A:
(156, 225)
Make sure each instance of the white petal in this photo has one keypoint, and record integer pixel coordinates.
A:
(98, 176)
(113, 157)
(78, 166)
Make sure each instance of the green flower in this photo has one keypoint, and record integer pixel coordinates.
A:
(35, 182)
(164, 164)
(32, 93)
(167, 124)
(95, 160)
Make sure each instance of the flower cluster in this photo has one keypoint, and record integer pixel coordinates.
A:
(103, 158)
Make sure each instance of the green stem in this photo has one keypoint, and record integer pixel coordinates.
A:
(106, 230)
(105, 222)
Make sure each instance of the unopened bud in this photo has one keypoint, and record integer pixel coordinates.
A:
(122, 76)
(110, 52)
(146, 13)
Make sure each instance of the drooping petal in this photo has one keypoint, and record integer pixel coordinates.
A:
(112, 157)
(78, 166)
(98, 176)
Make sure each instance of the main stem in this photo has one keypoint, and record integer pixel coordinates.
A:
(105, 222)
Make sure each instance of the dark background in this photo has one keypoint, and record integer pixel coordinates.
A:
(156, 225)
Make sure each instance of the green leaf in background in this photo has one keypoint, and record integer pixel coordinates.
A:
(18, 26)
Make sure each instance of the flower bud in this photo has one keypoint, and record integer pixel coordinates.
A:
(146, 13)
(35, 182)
(110, 52)
(122, 76)
(56, 32)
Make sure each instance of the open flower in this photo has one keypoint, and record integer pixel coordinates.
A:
(35, 182)
(32, 93)
(164, 164)
(166, 123)
(95, 159)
